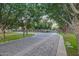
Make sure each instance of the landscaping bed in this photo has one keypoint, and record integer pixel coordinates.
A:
(70, 42)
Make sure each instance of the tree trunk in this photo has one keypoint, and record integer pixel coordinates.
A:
(77, 33)
(65, 28)
(3, 34)
(26, 31)
(23, 31)
(76, 30)
(77, 43)
(76, 22)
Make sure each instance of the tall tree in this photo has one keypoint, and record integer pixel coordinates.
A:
(6, 17)
(75, 20)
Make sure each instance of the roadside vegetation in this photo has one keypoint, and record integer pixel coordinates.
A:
(70, 42)
(12, 36)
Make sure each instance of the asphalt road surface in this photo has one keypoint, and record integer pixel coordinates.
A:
(42, 44)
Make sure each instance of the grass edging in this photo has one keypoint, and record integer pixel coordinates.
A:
(70, 42)
(16, 39)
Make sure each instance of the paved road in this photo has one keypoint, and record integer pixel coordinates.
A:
(42, 44)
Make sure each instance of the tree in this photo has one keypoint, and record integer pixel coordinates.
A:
(21, 16)
(10, 15)
(75, 20)
(68, 14)
(6, 17)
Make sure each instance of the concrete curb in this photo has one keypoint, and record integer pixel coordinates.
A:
(61, 51)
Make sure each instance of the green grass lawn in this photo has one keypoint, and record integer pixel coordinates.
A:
(12, 36)
(70, 43)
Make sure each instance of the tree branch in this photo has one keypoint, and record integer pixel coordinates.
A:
(67, 22)
(74, 8)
